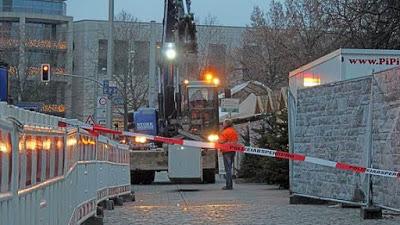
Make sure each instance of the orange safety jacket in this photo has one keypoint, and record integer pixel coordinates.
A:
(228, 136)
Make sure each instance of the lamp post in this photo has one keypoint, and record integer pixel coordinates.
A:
(110, 55)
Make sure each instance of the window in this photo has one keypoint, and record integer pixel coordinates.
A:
(102, 57)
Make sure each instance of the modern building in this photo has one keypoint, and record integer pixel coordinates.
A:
(137, 49)
(34, 32)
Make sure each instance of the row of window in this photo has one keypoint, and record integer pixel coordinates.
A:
(55, 7)
(138, 54)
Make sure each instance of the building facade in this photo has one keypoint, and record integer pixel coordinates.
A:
(34, 32)
(137, 50)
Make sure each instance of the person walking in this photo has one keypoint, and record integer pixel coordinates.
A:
(228, 135)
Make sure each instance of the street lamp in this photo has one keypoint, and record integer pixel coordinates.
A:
(170, 51)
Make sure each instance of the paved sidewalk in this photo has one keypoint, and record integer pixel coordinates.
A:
(165, 203)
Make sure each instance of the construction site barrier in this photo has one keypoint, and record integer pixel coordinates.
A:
(257, 151)
(56, 176)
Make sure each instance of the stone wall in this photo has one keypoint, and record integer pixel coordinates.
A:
(332, 123)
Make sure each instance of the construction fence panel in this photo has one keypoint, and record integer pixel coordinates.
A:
(355, 122)
(51, 175)
(386, 137)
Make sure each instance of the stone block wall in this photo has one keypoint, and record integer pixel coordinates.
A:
(332, 123)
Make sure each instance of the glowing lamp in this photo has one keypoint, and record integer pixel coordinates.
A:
(216, 81)
(212, 138)
(140, 139)
(4, 148)
(209, 77)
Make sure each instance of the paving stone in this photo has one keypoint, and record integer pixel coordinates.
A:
(246, 204)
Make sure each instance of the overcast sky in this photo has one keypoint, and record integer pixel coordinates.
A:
(227, 12)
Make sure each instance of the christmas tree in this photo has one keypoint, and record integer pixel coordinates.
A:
(273, 135)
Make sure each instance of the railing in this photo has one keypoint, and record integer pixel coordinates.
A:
(51, 175)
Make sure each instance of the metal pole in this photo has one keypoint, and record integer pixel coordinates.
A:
(291, 131)
(369, 145)
(153, 79)
(110, 55)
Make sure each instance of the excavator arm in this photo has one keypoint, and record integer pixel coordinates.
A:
(179, 35)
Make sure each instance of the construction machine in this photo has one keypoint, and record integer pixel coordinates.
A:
(187, 108)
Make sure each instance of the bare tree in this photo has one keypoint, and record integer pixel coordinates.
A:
(263, 55)
(366, 24)
(296, 32)
(131, 70)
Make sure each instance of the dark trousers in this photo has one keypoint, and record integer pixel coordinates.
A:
(229, 157)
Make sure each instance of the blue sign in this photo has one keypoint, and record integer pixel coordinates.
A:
(106, 85)
(146, 121)
(3, 84)
(118, 100)
(109, 90)
(112, 90)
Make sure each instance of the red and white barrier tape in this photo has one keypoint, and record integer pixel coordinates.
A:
(272, 153)
(256, 151)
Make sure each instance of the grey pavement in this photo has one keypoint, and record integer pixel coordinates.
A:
(166, 203)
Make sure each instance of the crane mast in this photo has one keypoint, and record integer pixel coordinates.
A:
(187, 107)
(179, 35)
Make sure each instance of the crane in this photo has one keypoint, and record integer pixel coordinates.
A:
(179, 38)
(187, 108)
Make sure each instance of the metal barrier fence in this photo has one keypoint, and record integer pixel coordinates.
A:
(28, 117)
(51, 175)
(356, 122)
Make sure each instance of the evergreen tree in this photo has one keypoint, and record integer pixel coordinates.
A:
(274, 135)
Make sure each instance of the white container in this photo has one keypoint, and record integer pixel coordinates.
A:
(184, 164)
(343, 64)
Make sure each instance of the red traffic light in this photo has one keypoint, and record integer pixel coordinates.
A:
(45, 72)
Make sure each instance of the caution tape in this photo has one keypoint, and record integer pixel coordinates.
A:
(274, 154)
(255, 151)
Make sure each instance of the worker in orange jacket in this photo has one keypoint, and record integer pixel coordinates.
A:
(228, 135)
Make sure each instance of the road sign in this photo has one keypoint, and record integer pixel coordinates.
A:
(106, 86)
(112, 90)
(110, 87)
(112, 84)
(101, 102)
(101, 113)
(230, 105)
(118, 100)
(90, 120)
(102, 121)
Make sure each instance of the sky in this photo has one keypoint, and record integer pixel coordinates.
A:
(227, 12)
